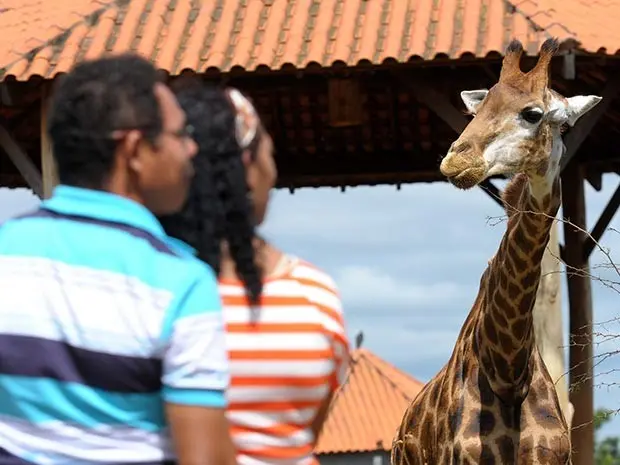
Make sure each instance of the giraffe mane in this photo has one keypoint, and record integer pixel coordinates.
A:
(512, 193)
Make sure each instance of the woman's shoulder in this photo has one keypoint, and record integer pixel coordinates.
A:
(311, 275)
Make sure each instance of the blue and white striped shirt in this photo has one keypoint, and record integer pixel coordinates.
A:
(102, 318)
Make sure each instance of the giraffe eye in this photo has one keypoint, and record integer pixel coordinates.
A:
(532, 115)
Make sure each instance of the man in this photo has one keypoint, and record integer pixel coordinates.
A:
(111, 337)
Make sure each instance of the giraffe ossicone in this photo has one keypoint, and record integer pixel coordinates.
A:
(494, 401)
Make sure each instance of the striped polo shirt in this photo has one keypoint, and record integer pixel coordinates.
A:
(102, 319)
(286, 356)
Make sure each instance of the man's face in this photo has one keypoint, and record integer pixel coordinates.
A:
(165, 167)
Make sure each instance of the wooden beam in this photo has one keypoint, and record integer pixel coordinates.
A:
(581, 375)
(582, 129)
(6, 96)
(439, 104)
(301, 180)
(22, 162)
(601, 225)
(12, 181)
(492, 191)
(595, 178)
(48, 165)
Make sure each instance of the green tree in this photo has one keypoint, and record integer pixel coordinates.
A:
(607, 451)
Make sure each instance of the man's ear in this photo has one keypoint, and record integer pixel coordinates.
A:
(128, 142)
(473, 99)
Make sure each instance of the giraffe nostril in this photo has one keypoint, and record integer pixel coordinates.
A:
(461, 147)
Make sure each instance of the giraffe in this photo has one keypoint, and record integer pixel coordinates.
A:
(494, 401)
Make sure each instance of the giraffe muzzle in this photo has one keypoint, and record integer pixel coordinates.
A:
(463, 170)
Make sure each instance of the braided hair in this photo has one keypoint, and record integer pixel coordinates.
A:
(219, 206)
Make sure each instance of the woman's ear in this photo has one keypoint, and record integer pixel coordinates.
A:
(250, 168)
(246, 158)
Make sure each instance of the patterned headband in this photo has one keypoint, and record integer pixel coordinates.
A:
(246, 118)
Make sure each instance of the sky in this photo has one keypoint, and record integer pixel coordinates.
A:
(408, 263)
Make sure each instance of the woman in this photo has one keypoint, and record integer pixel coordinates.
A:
(287, 344)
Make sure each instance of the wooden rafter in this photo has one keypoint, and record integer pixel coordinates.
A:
(601, 225)
(595, 178)
(439, 104)
(22, 161)
(492, 191)
(48, 164)
(582, 129)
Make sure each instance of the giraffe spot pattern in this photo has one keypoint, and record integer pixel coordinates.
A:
(519, 328)
(513, 292)
(518, 260)
(490, 331)
(486, 422)
(532, 278)
(529, 226)
(506, 449)
(522, 241)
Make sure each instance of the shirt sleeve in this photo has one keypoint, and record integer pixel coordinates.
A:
(195, 359)
(323, 293)
(340, 343)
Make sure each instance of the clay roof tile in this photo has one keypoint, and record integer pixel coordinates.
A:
(46, 37)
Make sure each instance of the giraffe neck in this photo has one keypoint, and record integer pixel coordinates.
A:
(505, 336)
(542, 184)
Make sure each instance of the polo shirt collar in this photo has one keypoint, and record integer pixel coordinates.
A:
(106, 206)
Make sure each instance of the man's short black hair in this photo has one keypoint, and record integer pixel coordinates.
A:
(91, 101)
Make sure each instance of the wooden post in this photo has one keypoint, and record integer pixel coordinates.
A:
(48, 165)
(548, 324)
(580, 304)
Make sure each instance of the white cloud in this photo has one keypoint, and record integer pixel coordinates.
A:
(420, 351)
(376, 216)
(16, 201)
(362, 286)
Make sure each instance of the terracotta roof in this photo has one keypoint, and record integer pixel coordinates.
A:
(368, 408)
(593, 23)
(45, 37)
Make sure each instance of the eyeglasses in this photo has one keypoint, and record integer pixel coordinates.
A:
(185, 132)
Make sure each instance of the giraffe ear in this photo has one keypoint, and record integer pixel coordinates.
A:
(569, 110)
(473, 98)
(579, 105)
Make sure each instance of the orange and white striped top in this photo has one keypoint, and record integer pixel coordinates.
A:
(286, 356)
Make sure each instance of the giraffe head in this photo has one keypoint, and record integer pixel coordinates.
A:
(517, 123)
